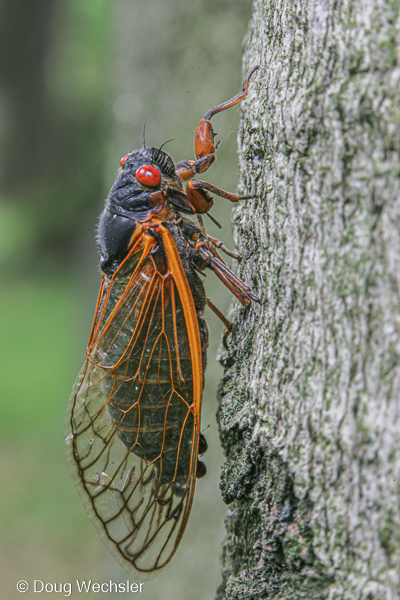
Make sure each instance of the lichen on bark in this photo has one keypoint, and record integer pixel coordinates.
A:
(310, 404)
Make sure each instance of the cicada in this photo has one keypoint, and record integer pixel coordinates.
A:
(133, 422)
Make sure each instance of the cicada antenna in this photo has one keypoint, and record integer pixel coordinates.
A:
(162, 145)
(144, 130)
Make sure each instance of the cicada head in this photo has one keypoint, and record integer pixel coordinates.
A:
(143, 173)
(152, 168)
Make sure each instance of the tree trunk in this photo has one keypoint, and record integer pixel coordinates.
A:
(310, 408)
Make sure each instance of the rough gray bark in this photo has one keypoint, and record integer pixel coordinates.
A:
(310, 422)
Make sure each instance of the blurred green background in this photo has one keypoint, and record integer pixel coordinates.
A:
(77, 81)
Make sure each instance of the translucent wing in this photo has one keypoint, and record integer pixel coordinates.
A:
(133, 418)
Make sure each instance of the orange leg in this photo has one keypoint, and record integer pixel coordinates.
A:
(225, 321)
(204, 136)
(242, 291)
(217, 243)
(201, 201)
(204, 145)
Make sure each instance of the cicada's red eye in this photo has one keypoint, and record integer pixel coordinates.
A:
(123, 159)
(148, 175)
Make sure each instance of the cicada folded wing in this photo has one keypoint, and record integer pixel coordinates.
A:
(133, 419)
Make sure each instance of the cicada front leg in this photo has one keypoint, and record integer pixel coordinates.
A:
(206, 154)
(200, 199)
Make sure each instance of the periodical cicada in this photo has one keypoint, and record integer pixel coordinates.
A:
(133, 421)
